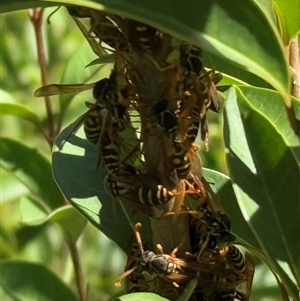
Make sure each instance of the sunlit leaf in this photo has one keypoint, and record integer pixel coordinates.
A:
(25, 281)
(32, 169)
(214, 26)
(20, 111)
(288, 12)
(270, 104)
(31, 211)
(81, 181)
(265, 173)
(11, 188)
(233, 74)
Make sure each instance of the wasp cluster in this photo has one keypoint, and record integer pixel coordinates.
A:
(163, 81)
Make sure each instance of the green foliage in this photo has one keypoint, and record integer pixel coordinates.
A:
(22, 281)
(242, 39)
(262, 164)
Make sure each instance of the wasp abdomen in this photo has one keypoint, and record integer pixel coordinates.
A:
(180, 161)
(154, 197)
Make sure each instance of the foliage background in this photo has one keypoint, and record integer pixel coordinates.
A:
(102, 261)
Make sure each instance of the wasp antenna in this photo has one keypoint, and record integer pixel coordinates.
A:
(124, 275)
(137, 227)
(160, 248)
(173, 253)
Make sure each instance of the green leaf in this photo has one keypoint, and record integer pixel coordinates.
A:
(188, 291)
(140, 297)
(110, 58)
(81, 181)
(275, 269)
(288, 13)
(232, 74)
(32, 169)
(25, 281)
(220, 27)
(76, 73)
(69, 220)
(270, 104)
(11, 5)
(11, 188)
(31, 212)
(265, 173)
(20, 111)
(33, 215)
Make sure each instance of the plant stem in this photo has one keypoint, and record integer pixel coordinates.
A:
(77, 268)
(294, 62)
(36, 17)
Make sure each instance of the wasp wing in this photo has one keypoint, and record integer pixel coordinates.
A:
(57, 89)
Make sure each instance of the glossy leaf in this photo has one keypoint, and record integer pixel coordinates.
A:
(81, 181)
(270, 104)
(265, 172)
(288, 12)
(232, 74)
(32, 169)
(20, 111)
(25, 281)
(214, 26)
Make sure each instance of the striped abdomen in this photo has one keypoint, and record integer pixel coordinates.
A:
(92, 124)
(236, 258)
(110, 154)
(180, 160)
(153, 197)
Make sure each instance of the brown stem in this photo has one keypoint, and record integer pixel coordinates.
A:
(294, 61)
(36, 17)
(77, 269)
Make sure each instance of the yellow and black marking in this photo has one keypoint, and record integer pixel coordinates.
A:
(180, 160)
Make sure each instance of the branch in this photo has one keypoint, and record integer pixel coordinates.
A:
(294, 62)
(77, 268)
(36, 18)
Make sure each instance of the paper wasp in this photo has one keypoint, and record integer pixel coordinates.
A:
(138, 188)
(104, 28)
(210, 231)
(144, 37)
(106, 117)
(178, 271)
(166, 118)
(162, 265)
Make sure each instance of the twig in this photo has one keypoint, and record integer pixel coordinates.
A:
(77, 268)
(294, 62)
(36, 17)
